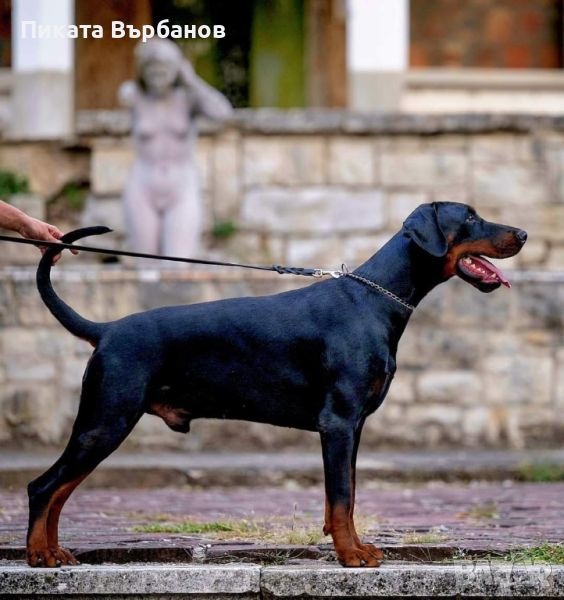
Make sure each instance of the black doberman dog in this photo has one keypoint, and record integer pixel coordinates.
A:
(320, 358)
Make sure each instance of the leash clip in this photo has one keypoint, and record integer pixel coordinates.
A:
(321, 273)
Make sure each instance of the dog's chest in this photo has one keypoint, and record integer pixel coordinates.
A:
(378, 386)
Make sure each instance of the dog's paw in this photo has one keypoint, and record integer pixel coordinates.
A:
(50, 557)
(360, 556)
(372, 550)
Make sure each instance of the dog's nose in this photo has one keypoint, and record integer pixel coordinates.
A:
(522, 236)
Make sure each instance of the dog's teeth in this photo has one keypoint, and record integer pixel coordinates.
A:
(467, 261)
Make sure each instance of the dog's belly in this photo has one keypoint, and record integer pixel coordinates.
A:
(179, 402)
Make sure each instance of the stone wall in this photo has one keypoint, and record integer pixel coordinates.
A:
(332, 188)
(317, 189)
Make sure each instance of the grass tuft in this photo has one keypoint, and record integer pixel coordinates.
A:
(187, 527)
(426, 537)
(481, 512)
(541, 472)
(545, 553)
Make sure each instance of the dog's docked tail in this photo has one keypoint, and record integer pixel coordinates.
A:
(71, 320)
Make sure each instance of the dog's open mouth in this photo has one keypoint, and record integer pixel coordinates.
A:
(482, 270)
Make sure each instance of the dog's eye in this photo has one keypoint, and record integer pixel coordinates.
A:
(471, 218)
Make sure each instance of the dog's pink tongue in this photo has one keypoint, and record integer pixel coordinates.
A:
(486, 264)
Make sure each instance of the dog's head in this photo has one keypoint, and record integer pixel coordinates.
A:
(456, 235)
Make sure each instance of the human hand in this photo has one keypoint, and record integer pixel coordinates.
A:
(35, 229)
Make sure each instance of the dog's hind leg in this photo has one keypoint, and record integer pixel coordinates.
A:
(110, 406)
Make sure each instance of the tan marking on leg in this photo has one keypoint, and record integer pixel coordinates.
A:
(56, 506)
(349, 552)
(43, 548)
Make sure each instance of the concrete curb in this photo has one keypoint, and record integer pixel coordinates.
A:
(242, 581)
(308, 579)
(209, 469)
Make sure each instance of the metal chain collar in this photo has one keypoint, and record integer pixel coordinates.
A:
(346, 273)
(381, 289)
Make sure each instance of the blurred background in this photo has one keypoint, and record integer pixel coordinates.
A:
(350, 113)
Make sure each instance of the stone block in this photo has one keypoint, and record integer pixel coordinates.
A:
(497, 147)
(555, 260)
(536, 254)
(559, 388)
(7, 304)
(31, 204)
(541, 222)
(508, 185)
(252, 247)
(423, 169)
(351, 161)
(400, 144)
(48, 165)
(276, 160)
(518, 379)
(72, 369)
(313, 210)
(402, 389)
(27, 367)
(434, 143)
(553, 158)
(359, 248)
(475, 425)
(401, 204)
(31, 412)
(451, 348)
(326, 252)
(197, 581)
(452, 193)
(204, 160)
(541, 427)
(455, 387)
(15, 341)
(226, 177)
(539, 307)
(465, 305)
(110, 168)
(103, 210)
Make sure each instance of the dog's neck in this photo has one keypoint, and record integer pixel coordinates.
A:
(403, 268)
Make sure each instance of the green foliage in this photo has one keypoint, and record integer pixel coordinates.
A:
(545, 553)
(187, 527)
(12, 183)
(224, 230)
(75, 195)
(541, 472)
(428, 537)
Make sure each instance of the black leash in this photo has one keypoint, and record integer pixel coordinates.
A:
(282, 270)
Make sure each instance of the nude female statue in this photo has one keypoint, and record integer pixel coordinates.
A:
(163, 208)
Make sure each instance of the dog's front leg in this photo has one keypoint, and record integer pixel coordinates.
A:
(338, 441)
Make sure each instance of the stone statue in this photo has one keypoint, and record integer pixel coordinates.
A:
(163, 207)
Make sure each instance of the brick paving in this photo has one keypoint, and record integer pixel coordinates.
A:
(480, 517)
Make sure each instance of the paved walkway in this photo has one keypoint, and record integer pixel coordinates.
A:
(426, 518)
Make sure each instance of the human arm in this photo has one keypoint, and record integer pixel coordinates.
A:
(14, 219)
(208, 101)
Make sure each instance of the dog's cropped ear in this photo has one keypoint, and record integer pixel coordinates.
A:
(423, 227)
